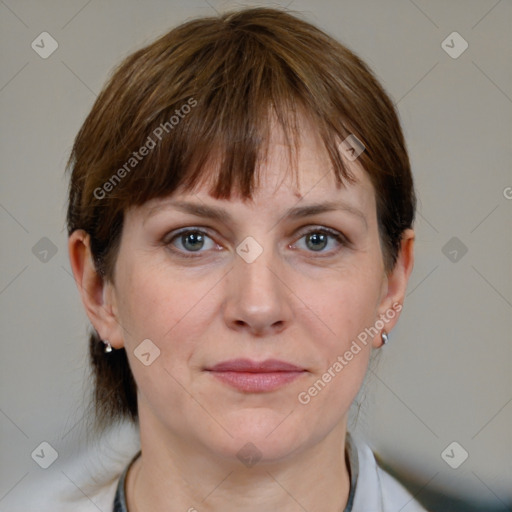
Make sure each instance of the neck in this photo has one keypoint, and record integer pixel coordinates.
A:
(173, 475)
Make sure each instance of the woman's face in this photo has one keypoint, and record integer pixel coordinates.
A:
(267, 279)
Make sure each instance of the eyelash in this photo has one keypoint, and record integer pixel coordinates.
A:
(168, 242)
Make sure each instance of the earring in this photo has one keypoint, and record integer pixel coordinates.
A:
(108, 346)
(385, 337)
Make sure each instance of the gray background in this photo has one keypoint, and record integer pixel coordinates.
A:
(445, 376)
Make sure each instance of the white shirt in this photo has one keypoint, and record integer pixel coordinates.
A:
(376, 490)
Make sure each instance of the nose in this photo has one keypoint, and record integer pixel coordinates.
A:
(258, 297)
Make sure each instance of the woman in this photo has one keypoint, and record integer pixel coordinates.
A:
(236, 304)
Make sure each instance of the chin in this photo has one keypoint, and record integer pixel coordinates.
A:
(260, 434)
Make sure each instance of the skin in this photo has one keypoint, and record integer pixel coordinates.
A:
(293, 303)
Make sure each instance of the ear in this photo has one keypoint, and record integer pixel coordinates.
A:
(97, 294)
(394, 287)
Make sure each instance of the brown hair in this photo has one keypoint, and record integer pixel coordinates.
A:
(203, 91)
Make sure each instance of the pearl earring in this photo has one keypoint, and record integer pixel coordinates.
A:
(108, 346)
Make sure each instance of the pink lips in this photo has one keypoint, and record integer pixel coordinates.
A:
(255, 377)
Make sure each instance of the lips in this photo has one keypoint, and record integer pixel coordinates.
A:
(246, 365)
(255, 377)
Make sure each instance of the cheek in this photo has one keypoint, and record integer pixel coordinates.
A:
(327, 398)
(345, 308)
(172, 312)
(157, 302)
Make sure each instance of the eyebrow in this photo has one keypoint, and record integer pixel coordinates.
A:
(221, 215)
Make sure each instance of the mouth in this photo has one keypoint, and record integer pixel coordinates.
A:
(256, 377)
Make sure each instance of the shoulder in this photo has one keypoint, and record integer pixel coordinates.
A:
(65, 490)
(376, 490)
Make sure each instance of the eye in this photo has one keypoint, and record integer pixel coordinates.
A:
(190, 241)
(317, 239)
(194, 240)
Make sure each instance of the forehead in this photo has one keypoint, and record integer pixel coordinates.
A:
(300, 168)
(289, 173)
(276, 199)
(308, 172)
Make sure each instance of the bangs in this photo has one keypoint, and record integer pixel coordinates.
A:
(218, 130)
